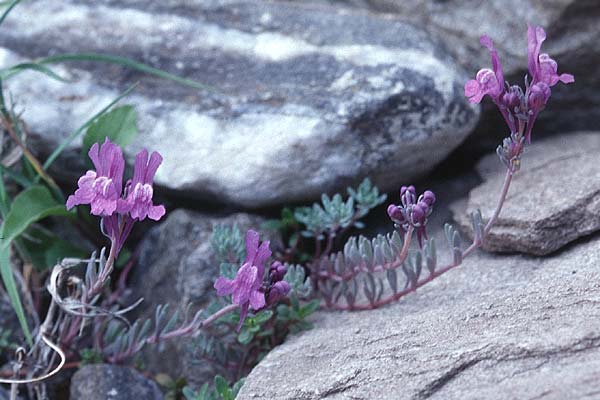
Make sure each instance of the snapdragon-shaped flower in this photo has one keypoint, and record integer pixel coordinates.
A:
(487, 81)
(246, 287)
(101, 188)
(412, 211)
(519, 108)
(139, 191)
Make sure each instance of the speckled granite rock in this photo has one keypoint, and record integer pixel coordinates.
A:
(111, 382)
(496, 328)
(553, 200)
(307, 100)
(177, 267)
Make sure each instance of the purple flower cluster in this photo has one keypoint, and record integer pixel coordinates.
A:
(103, 190)
(248, 288)
(519, 108)
(413, 211)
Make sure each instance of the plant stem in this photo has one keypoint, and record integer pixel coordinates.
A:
(476, 244)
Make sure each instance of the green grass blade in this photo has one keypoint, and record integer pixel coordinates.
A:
(12, 5)
(11, 290)
(15, 69)
(126, 62)
(83, 127)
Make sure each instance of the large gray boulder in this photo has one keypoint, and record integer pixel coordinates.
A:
(553, 200)
(509, 327)
(307, 99)
(573, 31)
(177, 266)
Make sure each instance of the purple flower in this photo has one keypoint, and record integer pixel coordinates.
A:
(542, 68)
(519, 109)
(543, 71)
(245, 288)
(139, 192)
(101, 188)
(487, 81)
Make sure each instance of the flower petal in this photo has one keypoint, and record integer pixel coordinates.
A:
(262, 255)
(140, 166)
(257, 300)
(496, 66)
(93, 154)
(246, 281)
(535, 38)
(251, 245)
(224, 286)
(156, 212)
(153, 164)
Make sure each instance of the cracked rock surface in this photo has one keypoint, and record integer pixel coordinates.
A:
(306, 100)
(497, 327)
(553, 200)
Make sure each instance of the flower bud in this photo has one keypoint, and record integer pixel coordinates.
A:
(408, 195)
(395, 213)
(277, 271)
(277, 292)
(418, 214)
(538, 96)
(429, 197)
(512, 98)
(424, 206)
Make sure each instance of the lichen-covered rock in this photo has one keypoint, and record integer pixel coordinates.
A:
(553, 200)
(307, 99)
(177, 267)
(495, 328)
(112, 382)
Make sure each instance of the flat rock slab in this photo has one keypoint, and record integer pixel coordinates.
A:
(307, 99)
(496, 328)
(177, 267)
(553, 200)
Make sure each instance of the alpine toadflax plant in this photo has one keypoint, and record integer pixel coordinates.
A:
(248, 289)
(519, 107)
(367, 264)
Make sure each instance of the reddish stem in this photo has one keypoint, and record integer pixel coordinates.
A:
(378, 268)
